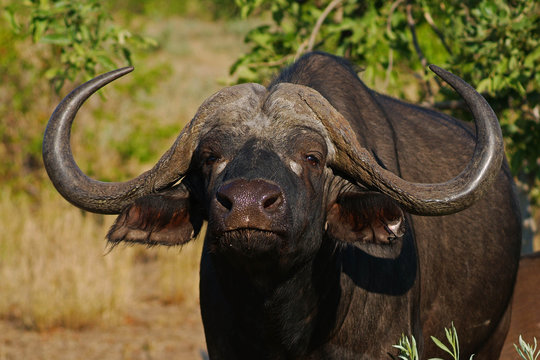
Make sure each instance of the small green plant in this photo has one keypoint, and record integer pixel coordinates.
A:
(409, 351)
(407, 348)
(526, 351)
(452, 337)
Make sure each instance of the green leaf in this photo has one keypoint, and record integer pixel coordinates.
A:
(39, 26)
(9, 14)
(51, 73)
(56, 39)
(106, 62)
(441, 345)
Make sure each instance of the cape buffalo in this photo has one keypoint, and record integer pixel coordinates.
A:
(338, 218)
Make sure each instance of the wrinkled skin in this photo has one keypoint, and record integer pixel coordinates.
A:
(300, 260)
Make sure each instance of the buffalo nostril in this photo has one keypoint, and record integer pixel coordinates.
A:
(273, 202)
(224, 201)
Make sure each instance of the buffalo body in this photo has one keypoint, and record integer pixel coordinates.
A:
(338, 218)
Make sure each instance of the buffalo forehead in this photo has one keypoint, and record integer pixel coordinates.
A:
(250, 110)
(230, 107)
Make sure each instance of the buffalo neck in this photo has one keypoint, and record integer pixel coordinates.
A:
(285, 314)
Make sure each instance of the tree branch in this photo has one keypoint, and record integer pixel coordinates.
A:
(280, 62)
(320, 21)
(412, 28)
(423, 61)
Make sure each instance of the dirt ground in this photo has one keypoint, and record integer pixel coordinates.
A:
(153, 331)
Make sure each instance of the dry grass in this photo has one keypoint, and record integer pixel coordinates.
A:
(179, 275)
(55, 269)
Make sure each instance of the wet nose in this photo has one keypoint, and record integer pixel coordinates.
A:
(250, 203)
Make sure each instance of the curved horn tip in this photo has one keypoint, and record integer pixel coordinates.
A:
(114, 74)
(123, 71)
(437, 70)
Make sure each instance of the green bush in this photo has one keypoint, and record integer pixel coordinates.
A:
(83, 41)
(45, 45)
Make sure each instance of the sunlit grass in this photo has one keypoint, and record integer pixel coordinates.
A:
(56, 269)
(179, 272)
(52, 265)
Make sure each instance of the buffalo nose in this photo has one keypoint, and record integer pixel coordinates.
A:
(250, 203)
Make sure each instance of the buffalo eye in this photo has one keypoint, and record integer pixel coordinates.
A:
(210, 159)
(313, 160)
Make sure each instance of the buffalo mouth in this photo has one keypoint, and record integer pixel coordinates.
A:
(250, 242)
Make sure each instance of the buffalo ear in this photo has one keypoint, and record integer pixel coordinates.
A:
(168, 218)
(365, 218)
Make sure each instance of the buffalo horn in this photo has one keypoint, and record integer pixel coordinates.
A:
(97, 196)
(421, 198)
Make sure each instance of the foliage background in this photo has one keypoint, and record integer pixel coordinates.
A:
(49, 46)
